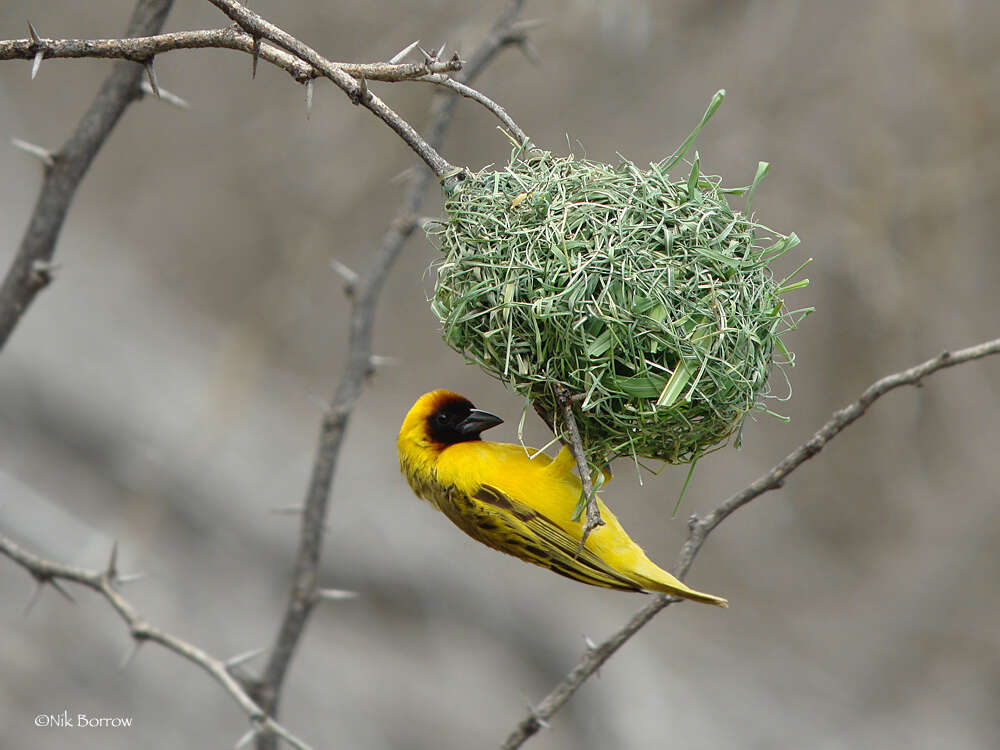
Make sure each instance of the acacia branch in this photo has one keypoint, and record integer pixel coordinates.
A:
(477, 96)
(30, 272)
(104, 583)
(140, 49)
(699, 529)
(358, 91)
(364, 292)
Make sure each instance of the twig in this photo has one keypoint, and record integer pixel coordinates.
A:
(26, 275)
(576, 447)
(699, 529)
(104, 582)
(365, 290)
(257, 26)
(141, 48)
(477, 96)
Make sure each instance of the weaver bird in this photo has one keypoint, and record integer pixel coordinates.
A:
(519, 505)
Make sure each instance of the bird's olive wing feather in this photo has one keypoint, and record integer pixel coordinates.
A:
(536, 538)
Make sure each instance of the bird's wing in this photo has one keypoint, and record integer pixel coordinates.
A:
(540, 540)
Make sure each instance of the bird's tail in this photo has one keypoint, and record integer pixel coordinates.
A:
(660, 581)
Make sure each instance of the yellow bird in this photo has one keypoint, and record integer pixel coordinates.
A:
(519, 505)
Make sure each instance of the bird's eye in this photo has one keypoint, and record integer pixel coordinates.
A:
(442, 418)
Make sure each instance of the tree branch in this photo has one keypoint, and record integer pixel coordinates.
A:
(467, 91)
(140, 49)
(104, 582)
(365, 291)
(30, 271)
(699, 529)
(258, 27)
(576, 446)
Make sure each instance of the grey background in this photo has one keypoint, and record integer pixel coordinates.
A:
(165, 391)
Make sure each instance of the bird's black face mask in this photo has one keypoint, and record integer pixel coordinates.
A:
(457, 421)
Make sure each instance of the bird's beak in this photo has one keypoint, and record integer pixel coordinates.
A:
(477, 421)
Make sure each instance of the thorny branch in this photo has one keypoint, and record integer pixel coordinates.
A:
(104, 582)
(303, 64)
(358, 91)
(467, 91)
(699, 529)
(31, 270)
(140, 49)
(122, 87)
(364, 293)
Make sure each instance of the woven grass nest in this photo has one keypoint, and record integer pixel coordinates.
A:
(649, 299)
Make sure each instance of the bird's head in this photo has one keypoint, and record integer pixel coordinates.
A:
(442, 418)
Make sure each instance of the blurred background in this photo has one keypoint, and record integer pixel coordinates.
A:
(166, 390)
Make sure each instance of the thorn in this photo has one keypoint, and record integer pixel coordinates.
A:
(165, 96)
(380, 361)
(42, 271)
(151, 75)
(35, 596)
(361, 93)
(255, 55)
(591, 646)
(407, 174)
(693, 521)
(39, 56)
(530, 52)
(349, 276)
(130, 578)
(58, 587)
(309, 97)
(130, 654)
(319, 402)
(243, 658)
(34, 34)
(526, 25)
(541, 721)
(437, 55)
(245, 739)
(112, 570)
(38, 152)
(403, 53)
(335, 595)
